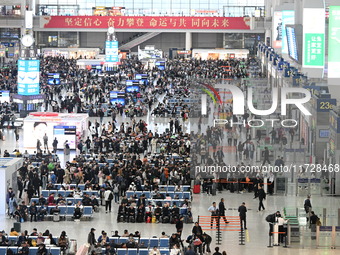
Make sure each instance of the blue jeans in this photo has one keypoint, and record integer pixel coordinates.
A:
(116, 197)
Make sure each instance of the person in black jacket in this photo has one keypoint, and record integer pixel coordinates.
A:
(197, 230)
(91, 239)
(308, 207)
(242, 213)
(221, 210)
(262, 195)
(131, 214)
(266, 156)
(179, 226)
(122, 211)
(206, 242)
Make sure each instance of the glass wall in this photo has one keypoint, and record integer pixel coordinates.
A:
(234, 8)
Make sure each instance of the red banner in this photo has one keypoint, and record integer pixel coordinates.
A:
(146, 22)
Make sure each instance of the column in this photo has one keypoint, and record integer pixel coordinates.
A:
(188, 40)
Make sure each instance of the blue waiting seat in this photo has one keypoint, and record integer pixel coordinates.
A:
(55, 250)
(115, 239)
(171, 188)
(33, 251)
(154, 242)
(88, 211)
(186, 195)
(147, 194)
(81, 186)
(45, 193)
(143, 251)
(164, 243)
(70, 211)
(121, 251)
(186, 188)
(129, 193)
(12, 240)
(3, 250)
(164, 251)
(14, 249)
(70, 200)
(132, 251)
(146, 241)
(138, 193)
(123, 240)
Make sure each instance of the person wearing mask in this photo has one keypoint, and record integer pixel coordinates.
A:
(243, 213)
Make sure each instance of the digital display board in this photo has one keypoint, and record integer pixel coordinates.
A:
(4, 96)
(313, 37)
(334, 42)
(134, 82)
(117, 101)
(292, 45)
(117, 94)
(277, 30)
(53, 79)
(111, 51)
(63, 133)
(28, 77)
(288, 18)
(131, 89)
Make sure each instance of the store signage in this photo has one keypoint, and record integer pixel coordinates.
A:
(313, 37)
(288, 18)
(325, 104)
(28, 77)
(111, 51)
(146, 22)
(334, 42)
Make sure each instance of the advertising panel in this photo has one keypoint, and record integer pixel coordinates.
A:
(292, 45)
(111, 51)
(288, 18)
(28, 77)
(334, 42)
(277, 30)
(313, 37)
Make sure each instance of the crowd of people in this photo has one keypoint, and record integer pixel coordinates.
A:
(122, 152)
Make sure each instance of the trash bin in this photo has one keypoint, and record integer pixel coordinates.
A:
(17, 226)
(56, 217)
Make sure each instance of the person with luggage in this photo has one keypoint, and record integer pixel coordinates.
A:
(179, 226)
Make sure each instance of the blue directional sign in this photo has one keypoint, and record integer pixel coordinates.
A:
(28, 77)
(111, 51)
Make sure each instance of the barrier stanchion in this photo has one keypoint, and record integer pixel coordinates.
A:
(242, 237)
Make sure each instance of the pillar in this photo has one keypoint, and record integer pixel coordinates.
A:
(188, 40)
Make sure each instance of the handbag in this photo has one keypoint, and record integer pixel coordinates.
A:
(197, 242)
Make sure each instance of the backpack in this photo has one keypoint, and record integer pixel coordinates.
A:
(110, 196)
(270, 218)
(116, 189)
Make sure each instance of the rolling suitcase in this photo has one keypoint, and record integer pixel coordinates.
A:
(213, 192)
(197, 189)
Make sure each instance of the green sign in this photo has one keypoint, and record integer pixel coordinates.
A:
(314, 50)
(334, 42)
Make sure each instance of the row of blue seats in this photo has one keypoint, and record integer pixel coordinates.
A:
(68, 211)
(65, 193)
(172, 194)
(140, 251)
(14, 239)
(148, 242)
(32, 250)
(69, 200)
(166, 188)
(170, 202)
